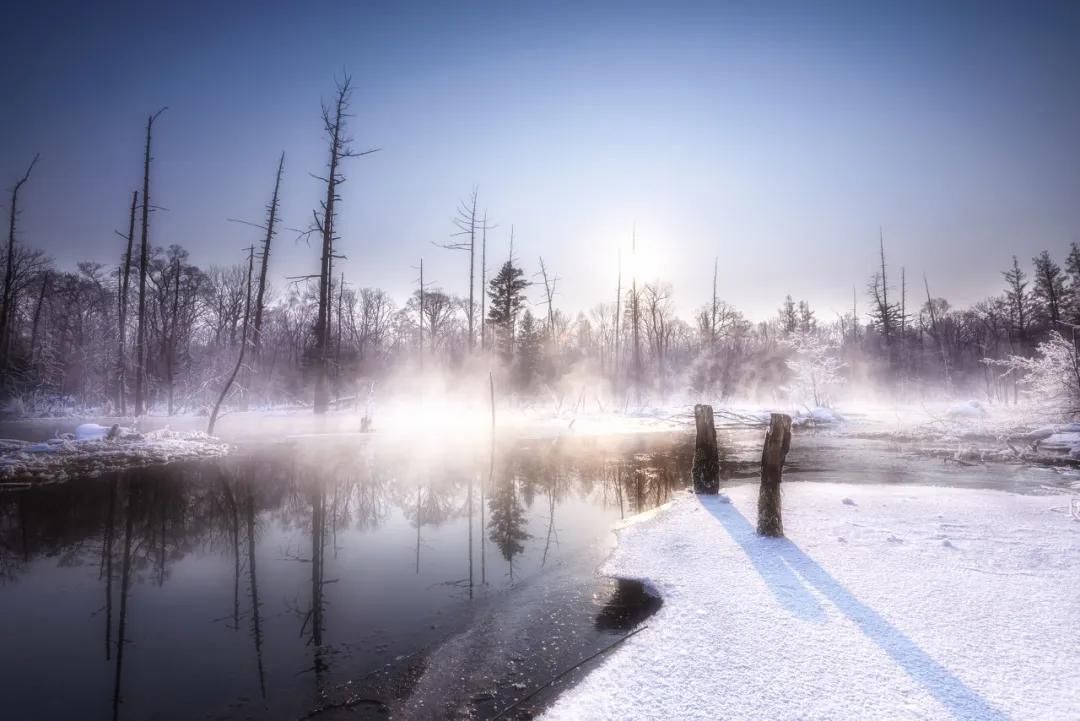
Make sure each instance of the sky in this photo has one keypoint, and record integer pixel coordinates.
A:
(776, 137)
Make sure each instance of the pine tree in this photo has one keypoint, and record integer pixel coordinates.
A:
(530, 345)
(807, 321)
(1071, 309)
(1049, 290)
(789, 321)
(1018, 300)
(507, 294)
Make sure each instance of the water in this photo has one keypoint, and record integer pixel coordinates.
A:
(277, 581)
(321, 571)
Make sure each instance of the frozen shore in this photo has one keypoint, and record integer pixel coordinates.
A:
(896, 602)
(91, 450)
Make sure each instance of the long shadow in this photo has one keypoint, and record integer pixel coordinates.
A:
(790, 590)
(767, 553)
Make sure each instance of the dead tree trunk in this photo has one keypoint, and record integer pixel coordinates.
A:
(144, 260)
(9, 271)
(260, 295)
(37, 316)
(706, 470)
(125, 278)
(777, 442)
(340, 149)
(483, 286)
(467, 223)
(243, 345)
(549, 294)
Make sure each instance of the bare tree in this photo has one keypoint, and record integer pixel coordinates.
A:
(7, 306)
(334, 119)
(618, 311)
(144, 260)
(260, 294)
(467, 224)
(243, 345)
(635, 319)
(122, 307)
(549, 292)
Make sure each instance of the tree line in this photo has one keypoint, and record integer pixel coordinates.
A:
(158, 332)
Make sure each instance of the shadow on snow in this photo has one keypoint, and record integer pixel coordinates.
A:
(790, 574)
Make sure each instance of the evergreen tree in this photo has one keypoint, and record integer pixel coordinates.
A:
(1072, 269)
(507, 294)
(530, 345)
(807, 321)
(1049, 290)
(789, 321)
(1018, 301)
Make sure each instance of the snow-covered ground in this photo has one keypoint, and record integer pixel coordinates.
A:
(896, 602)
(91, 450)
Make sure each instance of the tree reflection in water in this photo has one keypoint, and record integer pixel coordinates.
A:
(274, 517)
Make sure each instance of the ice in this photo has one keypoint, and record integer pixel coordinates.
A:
(969, 617)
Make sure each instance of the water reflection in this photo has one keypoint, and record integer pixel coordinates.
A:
(252, 585)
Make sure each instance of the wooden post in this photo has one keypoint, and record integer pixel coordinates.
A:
(777, 442)
(706, 470)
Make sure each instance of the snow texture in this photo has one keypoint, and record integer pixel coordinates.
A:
(967, 409)
(916, 603)
(89, 452)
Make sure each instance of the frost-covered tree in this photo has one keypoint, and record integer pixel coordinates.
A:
(789, 320)
(815, 368)
(1052, 377)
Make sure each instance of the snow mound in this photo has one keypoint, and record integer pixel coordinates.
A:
(818, 415)
(89, 431)
(967, 409)
(88, 452)
(839, 621)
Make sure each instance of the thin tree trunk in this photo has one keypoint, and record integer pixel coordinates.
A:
(125, 277)
(243, 345)
(8, 301)
(37, 316)
(260, 295)
(483, 283)
(144, 260)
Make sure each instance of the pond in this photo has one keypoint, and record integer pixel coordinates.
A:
(348, 576)
(277, 581)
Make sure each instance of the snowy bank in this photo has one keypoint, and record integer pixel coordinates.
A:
(895, 602)
(91, 451)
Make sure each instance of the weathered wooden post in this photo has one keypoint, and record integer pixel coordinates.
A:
(777, 442)
(706, 470)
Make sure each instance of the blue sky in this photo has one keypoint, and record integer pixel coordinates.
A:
(777, 136)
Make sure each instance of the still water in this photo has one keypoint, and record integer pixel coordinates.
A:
(352, 577)
(279, 581)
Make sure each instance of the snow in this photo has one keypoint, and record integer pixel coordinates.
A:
(88, 452)
(818, 415)
(916, 603)
(967, 409)
(88, 431)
